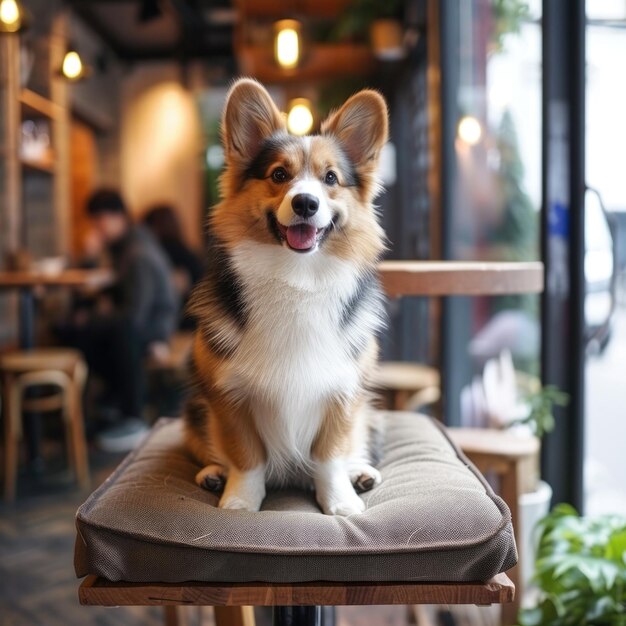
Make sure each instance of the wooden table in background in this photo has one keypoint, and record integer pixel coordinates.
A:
(27, 281)
(460, 278)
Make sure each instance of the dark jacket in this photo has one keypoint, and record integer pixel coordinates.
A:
(145, 292)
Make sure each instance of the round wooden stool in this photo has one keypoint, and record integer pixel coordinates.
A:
(62, 368)
(406, 386)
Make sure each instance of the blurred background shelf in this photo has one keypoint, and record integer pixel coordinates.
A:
(34, 105)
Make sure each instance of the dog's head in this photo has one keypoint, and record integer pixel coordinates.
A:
(304, 193)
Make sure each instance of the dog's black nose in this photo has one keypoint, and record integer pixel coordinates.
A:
(304, 204)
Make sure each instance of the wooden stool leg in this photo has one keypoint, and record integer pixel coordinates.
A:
(170, 615)
(234, 615)
(297, 616)
(12, 413)
(77, 427)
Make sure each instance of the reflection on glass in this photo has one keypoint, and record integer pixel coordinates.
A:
(498, 186)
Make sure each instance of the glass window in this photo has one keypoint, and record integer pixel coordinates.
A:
(496, 215)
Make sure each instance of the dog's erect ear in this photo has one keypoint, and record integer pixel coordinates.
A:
(250, 116)
(361, 127)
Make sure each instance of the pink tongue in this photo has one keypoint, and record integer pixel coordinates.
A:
(301, 236)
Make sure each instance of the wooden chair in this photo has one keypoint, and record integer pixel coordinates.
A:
(63, 369)
(406, 386)
(515, 462)
(302, 603)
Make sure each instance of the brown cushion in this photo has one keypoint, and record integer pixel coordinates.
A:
(433, 518)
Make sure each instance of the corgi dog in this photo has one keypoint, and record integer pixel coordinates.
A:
(288, 312)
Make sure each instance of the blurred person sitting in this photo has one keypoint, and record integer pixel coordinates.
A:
(136, 317)
(164, 223)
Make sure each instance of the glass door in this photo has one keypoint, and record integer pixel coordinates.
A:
(605, 259)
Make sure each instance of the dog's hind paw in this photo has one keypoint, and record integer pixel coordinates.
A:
(364, 477)
(212, 478)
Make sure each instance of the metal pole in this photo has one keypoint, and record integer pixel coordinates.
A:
(563, 358)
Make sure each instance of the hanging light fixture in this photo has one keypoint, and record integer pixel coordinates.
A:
(73, 67)
(11, 16)
(300, 116)
(287, 43)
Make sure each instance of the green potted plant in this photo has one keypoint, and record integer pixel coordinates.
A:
(580, 571)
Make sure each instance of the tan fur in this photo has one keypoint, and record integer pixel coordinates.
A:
(232, 425)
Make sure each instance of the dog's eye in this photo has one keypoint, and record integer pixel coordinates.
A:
(330, 178)
(279, 175)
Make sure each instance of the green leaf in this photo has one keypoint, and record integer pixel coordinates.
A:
(616, 547)
(580, 571)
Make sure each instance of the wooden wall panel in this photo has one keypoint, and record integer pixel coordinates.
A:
(83, 168)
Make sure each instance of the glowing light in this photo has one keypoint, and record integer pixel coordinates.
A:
(10, 16)
(300, 117)
(72, 65)
(287, 43)
(470, 131)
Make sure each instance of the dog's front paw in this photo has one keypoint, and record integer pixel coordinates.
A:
(364, 477)
(212, 478)
(239, 504)
(334, 491)
(346, 506)
(244, 491)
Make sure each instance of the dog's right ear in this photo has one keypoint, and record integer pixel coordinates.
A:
(250, 116)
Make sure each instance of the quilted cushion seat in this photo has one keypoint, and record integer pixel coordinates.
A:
(433, 518)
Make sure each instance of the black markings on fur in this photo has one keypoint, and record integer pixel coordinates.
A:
(351, 177)
(215, 483)
(218, 300)
(363, 483)
(228, 287)
(272, 149)
(367, 292)
(272, 225)
(220, 286)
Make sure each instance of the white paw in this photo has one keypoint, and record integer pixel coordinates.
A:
(364, 477)
(346, 506)
(235, 503)
(334, 491)
(244, 490)
(212, 478)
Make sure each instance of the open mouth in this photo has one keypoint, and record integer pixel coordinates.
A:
(301, 237)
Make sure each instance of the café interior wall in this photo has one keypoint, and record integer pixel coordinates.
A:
(161, 144)
(96, 100)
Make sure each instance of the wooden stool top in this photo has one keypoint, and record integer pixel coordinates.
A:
(494, 442)
(20, 361)
(396, 375)
(99, 592)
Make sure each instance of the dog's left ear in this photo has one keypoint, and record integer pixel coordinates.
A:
(250, 116)
(362, 128)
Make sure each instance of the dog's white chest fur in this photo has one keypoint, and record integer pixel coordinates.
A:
(293, 355)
